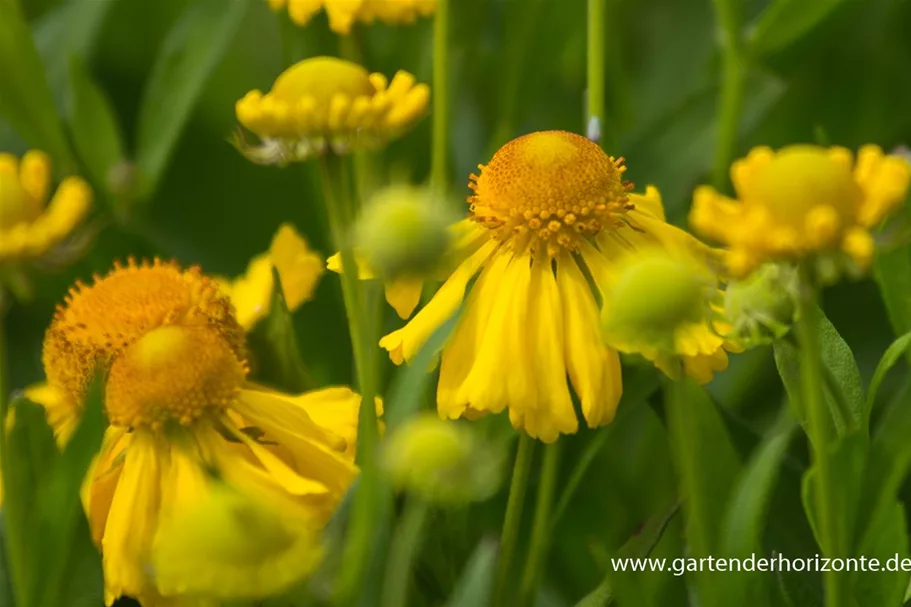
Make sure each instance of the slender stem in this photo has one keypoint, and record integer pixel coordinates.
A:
(597, 17)
(582, 465)
(817, 413)
(439, 157)
(510, 534)
(732, 87)
(341, 207)
(402, 553)
(542, 525)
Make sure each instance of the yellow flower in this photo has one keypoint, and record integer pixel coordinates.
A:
(343, 13)
(550, 210)
(180, 409)
(658, 303)
(324, 103)
(233, 544)
(298, 267)
(28, 229)
(800, 201)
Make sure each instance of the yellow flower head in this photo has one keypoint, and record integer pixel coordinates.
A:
(28, 229)
(658, 303)
(343, 13)
(549, 217)
(441, 461)
(325, 103)
(299, 269)
(172, 354)
(802, 200)
(232, 544)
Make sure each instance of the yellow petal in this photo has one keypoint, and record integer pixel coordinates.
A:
(298, 266)
(404, 294)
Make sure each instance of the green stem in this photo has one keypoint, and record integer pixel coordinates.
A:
(402, 553)
(597, 16)
(439, 157)
(732, 88)
(341, 208)
(542, 525)
(510, 534)
(812, 381)
(582, 465)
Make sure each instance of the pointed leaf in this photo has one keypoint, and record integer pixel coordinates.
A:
(844, 387)
(888, 537)
(746, 514)
(786, 21)
(26, 102)
(92, 123)
(896, 350)
(476, 584)
(186, 59)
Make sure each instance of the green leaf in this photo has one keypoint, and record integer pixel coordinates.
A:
(92, 123)
(848, 460)
(707, 465)
(895, 351)
(26, 102)
(71, 29)
(888, 536)
(187, 57)
(273, 342)
(892, 270)
(844, 393)
(476, 584)
(786, 21)
(746, 514)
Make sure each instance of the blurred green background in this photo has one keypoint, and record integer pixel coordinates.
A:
(839, 76)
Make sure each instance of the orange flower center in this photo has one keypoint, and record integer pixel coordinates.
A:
(99, 323)
(553, 185)
(172, 373)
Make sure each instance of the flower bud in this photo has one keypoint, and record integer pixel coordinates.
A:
(761, 307)
(441, 461)
(403, 231)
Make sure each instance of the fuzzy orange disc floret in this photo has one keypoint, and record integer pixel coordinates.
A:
(555, 185)
(98, 322)
(175, 373)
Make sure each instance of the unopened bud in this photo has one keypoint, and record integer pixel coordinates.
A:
(403, 232)
(761, 307)
(654, 294)
(442, 461)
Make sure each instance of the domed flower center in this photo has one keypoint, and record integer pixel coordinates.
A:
(801, 178)
(554, 185)
(172, 373)
(322, 78)
(18, 204)
(99, 322)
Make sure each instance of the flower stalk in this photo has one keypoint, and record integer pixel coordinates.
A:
(406, 544)
(510, 534)
(819, 430)
(439, 157)
(732, 88)
(597, 15)
(542, 525)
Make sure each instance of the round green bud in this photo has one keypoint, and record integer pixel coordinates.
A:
(403, 231)
(761, 307)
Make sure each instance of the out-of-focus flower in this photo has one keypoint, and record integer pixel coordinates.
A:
(550, 210)
(324, 103)
(343, 13)
(180, 408)
(299, 269)
(761, 307)
(658, 303)
(403, 231)
(800, 201)
(230, 544)
(28, 228)
(441, 461)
